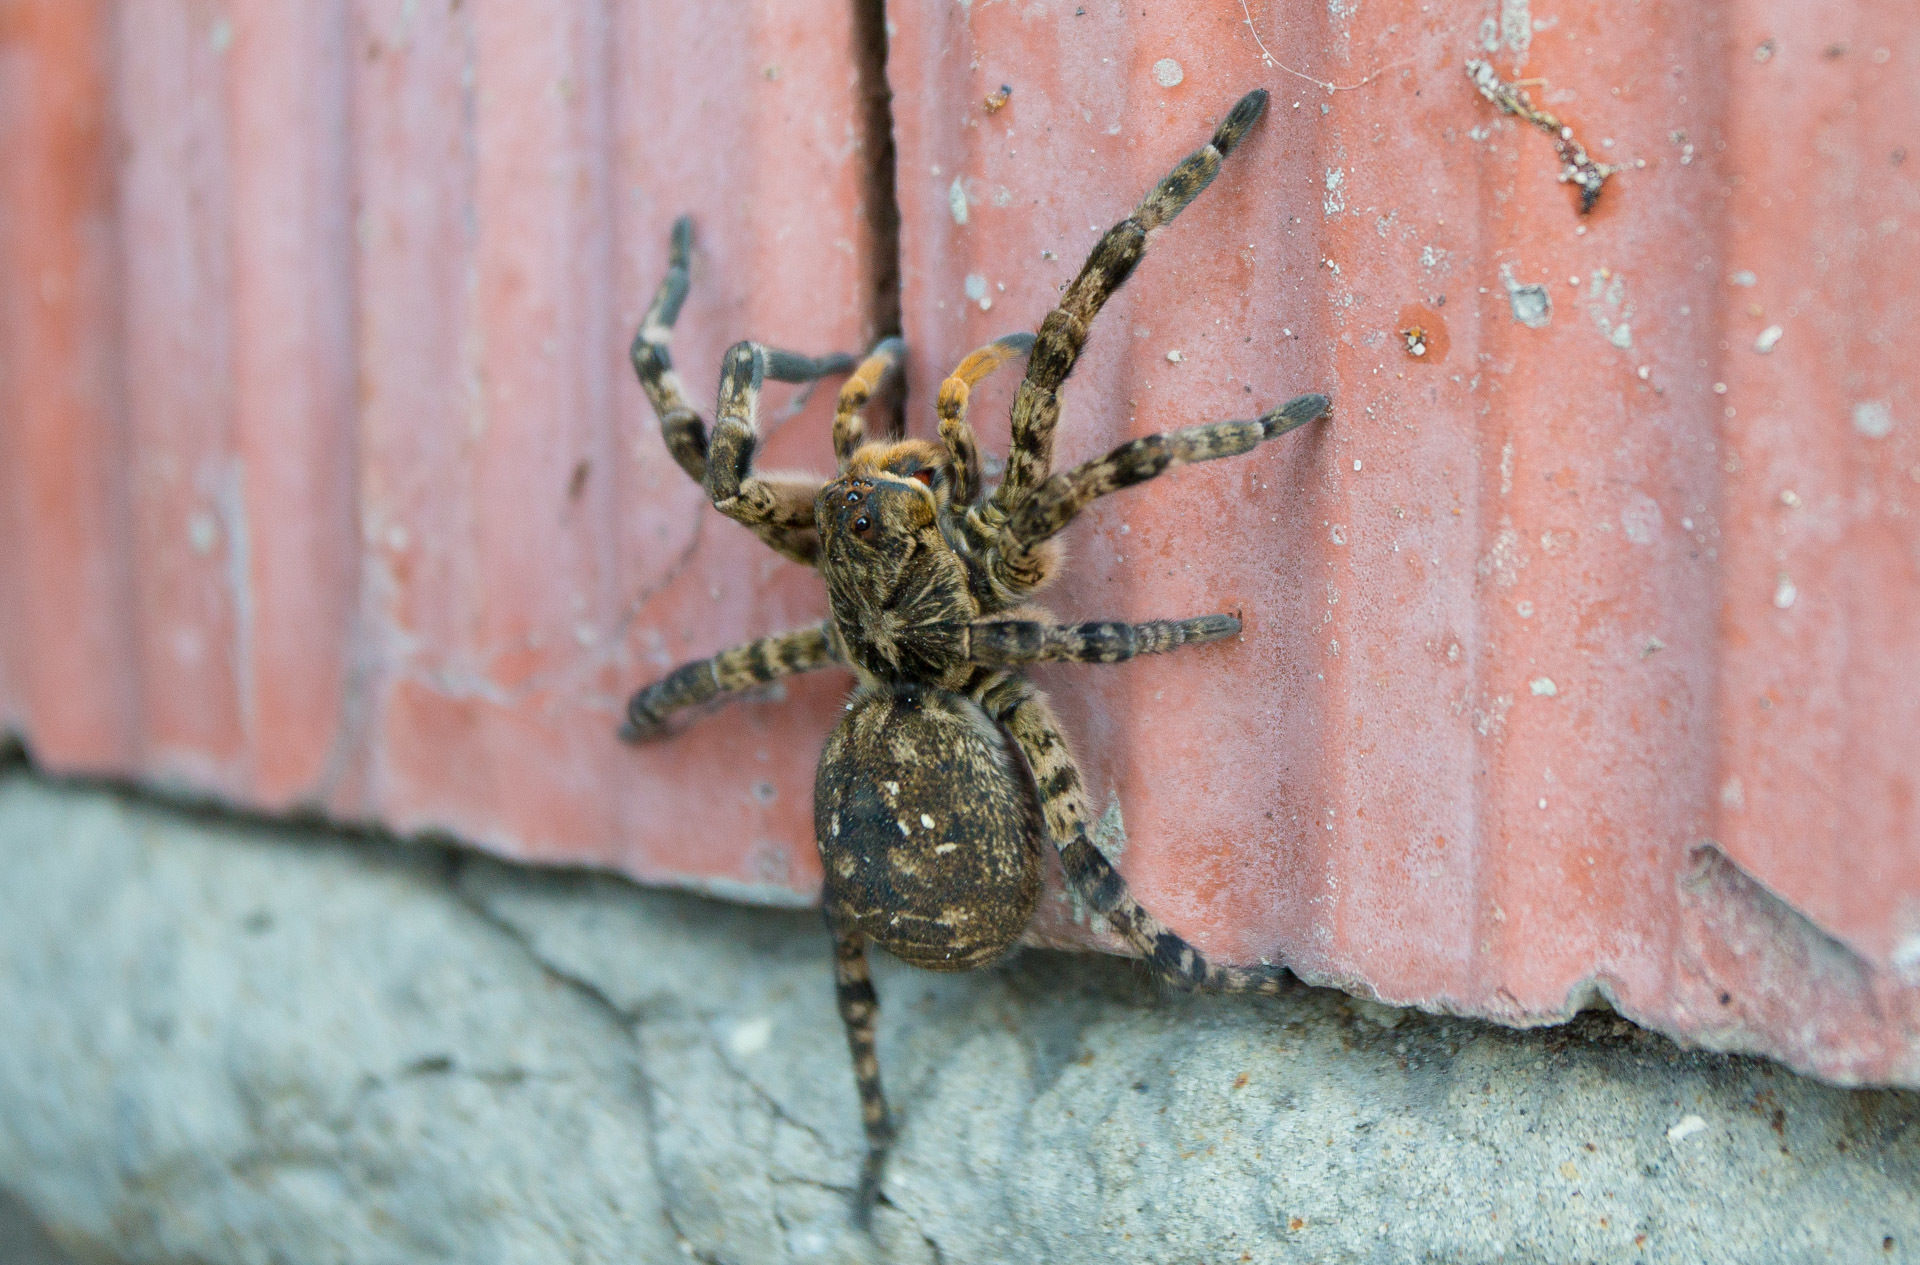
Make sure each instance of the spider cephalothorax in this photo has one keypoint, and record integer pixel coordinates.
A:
(899, 588)
(948, 773)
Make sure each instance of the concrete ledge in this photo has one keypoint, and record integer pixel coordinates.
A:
(229, 1042)
(22, 1241)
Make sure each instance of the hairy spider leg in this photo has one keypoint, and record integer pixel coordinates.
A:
(681, 426)
(1018, 564)
(859, 1008)
(739, 668)
(778, 507)
(849, 424)
(951, 406)
(1005, 544)
(1030, 722)
(1036, 407)
(1011, 642)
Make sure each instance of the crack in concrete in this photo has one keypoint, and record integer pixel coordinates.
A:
(627, 1023)
(1338, 1058)
(585, 987)
(773, 1104)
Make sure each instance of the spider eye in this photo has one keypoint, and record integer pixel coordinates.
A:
(925, 477)
(863, 527)
(853, 498)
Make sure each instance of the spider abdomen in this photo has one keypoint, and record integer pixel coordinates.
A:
(929, 830)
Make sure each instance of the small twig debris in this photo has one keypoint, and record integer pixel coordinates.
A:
(1577, 167)
(997, 98)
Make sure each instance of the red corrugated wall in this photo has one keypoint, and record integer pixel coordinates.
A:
(1582, 652)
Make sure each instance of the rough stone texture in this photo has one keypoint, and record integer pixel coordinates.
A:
(22, 1241)
(240, 1042)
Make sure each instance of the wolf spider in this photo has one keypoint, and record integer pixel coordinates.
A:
(949, 770)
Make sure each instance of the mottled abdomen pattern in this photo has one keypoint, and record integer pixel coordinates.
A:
(929, 830)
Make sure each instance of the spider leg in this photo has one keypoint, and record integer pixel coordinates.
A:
(1036, 408)
(1030, 722)
(849, 426)
(1018, 563)
(1006, 643)
(680, 424)
(955, 431)
(729, 672)
(787, 531)
(853, 988)
(779, 509)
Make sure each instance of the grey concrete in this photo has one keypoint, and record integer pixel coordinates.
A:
(22, 1241)
(224, 1042)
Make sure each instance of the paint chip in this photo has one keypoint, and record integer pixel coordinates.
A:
(1784, 592)
(750, 1036)
(1335, 200)
(203, 533)
(1685, 1128)
(1532, 305)
(1640, 519)
(1873, 419)
(1168, 73)
(957, 201)
(1769, 338)
(1543, 687)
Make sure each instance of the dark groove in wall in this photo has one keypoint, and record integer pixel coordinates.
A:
(880, 196)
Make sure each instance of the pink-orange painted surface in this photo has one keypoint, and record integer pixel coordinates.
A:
(1582, 651)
